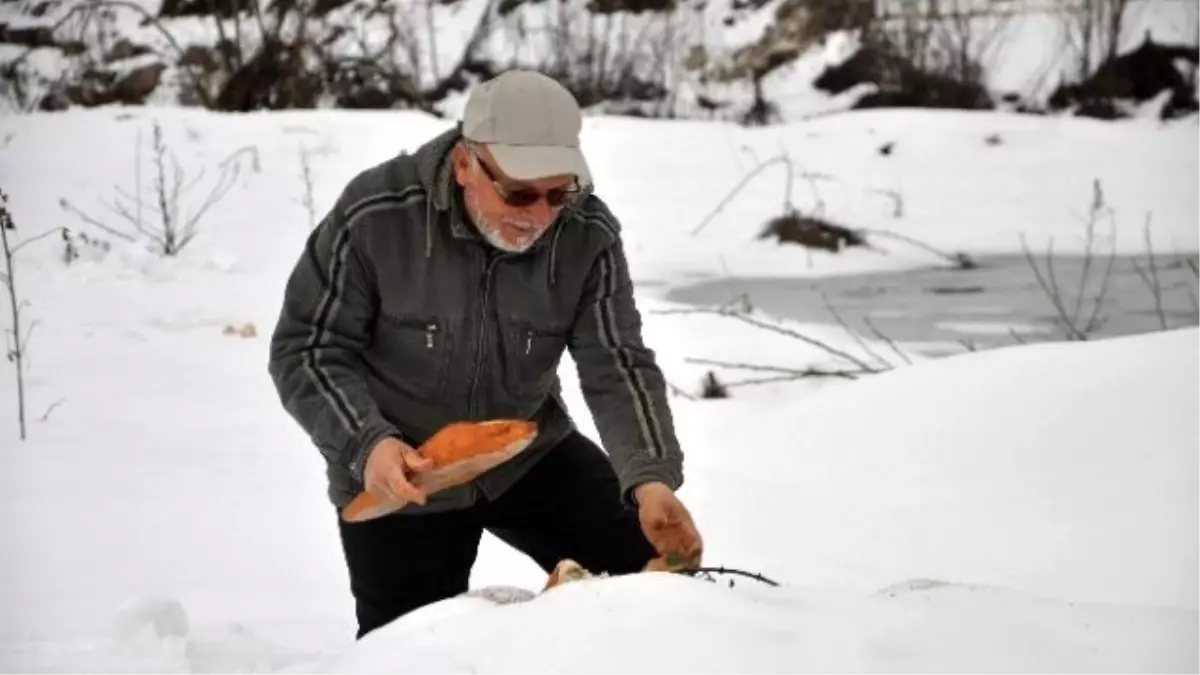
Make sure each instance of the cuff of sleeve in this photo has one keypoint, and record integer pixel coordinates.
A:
(362, 445)
(645, 469)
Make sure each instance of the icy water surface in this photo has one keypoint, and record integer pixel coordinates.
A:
(942, 310)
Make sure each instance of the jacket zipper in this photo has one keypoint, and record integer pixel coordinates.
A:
(487, 287)
(429, 332)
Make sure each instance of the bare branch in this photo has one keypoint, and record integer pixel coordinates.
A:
(959, 260)
(29, 241)
(887, 340)
(225, 182)
(46, 415)
(1050, 290)
(1096, 321)
(780, 159)
(771, 327)
(25, 341)
(17, 351)
(1150, 278)
(790, 373)
(92, 221)
(853, 334)
(677, 390)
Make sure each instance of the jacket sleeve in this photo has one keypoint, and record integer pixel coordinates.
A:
(621, 381)
(327, 317)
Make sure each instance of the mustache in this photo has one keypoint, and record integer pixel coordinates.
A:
(520, 223)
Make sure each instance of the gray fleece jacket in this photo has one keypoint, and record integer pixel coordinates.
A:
(398, 318)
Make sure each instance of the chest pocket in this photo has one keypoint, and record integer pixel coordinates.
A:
(414, 353)
(532, 355)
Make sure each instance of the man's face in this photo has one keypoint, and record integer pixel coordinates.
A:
(511, 214)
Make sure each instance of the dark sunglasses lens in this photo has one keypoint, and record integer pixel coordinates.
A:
(523, 197)
(527, 196)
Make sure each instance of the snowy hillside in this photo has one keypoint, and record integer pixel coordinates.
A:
(716, 59)
(1030, 508)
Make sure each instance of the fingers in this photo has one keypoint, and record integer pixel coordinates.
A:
(392, 484)
(414, 461)
(674, 536)
(402, 490)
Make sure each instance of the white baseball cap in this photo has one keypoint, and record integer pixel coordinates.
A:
(530, 123)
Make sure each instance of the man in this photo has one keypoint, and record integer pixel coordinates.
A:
(445, 285)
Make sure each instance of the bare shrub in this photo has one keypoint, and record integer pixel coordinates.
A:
(307, 177)
(16, 339)
(155, 213)
(1091, 32)
(607, 55)
(923, 54)
(1073, 315)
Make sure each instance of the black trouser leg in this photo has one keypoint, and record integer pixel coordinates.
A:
(401, 562)
(569, 506)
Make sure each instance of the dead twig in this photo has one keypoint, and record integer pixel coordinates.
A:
(960, 260)
(16, 349)
(1048, 281)
(680, 391)
(777, 329)
(307, 177)
(50, 409)
(779, 159)
(1150, 277)
(887, 340)
(853, 333)
(174, 229)
(790, 373)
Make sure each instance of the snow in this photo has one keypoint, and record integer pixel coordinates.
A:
(1030, 508)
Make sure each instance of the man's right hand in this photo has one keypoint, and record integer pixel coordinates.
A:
(390, 465)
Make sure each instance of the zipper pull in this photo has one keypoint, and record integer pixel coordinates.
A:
(429, 331)
(528, 342)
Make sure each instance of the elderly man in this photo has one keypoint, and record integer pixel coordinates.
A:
(444, 286)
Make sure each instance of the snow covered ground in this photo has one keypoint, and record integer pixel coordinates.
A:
(1031, 508)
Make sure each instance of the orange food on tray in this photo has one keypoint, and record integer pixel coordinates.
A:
(460, 451)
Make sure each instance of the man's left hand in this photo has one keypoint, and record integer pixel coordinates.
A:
(668, 526)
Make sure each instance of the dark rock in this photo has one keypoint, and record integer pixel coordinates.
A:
(40, 9)
(125, 49)
(274, 78)
(138, 84)
(72, 47)
(900, 83)
(318, 9)
(199, 57)
(631, 6)
(1136, 76)
(27, 36)
(223, 8)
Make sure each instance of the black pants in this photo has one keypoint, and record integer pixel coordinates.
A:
(567, 506)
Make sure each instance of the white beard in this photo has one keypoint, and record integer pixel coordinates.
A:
(492, 234)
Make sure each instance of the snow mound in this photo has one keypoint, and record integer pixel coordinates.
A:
(1067, 470)
(658, 622)
(156, 634)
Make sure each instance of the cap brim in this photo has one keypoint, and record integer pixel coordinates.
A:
(531, 162)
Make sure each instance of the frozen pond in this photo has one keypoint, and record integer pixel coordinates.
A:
(940, 310)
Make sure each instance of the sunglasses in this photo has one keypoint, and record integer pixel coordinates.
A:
(527, 195)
